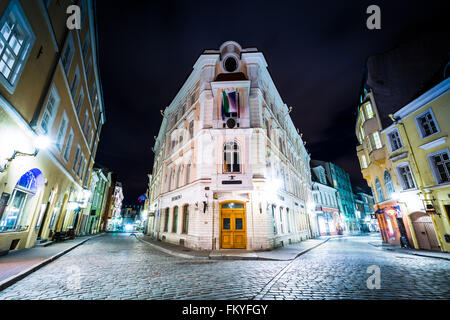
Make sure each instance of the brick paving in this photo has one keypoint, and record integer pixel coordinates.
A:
(118, 266)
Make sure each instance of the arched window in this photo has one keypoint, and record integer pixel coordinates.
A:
(175, 220)
(379, 190)
(388, 184)
(185, 219)
(166, 220)
(231, 158)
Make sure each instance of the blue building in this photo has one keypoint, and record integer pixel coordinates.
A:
(340, 180)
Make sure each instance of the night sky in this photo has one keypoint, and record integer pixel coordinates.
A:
(315, 52)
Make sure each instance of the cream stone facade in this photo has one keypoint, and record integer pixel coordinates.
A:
(230, 168)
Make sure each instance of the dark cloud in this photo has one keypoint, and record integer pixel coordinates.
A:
(315, 51)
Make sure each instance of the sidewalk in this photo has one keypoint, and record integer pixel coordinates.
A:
(422, 253)
(17, 265)
(289, 252)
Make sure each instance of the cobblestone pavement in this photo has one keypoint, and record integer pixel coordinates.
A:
(118, 266)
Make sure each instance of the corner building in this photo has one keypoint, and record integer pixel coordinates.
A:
(230, 168)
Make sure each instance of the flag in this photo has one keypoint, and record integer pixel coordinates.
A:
(225, 104)
(142, 198)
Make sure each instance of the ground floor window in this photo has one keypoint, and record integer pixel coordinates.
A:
(185, 219)
(166, 220)
(175, 220)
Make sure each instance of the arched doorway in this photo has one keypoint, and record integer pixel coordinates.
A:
(424, 231)
(233, 225)
(16, 215)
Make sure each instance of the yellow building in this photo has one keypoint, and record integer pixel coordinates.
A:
(51, 114)
(378, 172)
(418, 151)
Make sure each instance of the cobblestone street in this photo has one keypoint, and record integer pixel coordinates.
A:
(118, 266)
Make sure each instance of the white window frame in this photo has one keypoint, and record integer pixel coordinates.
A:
(75, 86)
(400, 178)
(61, 135)
(68, 147)
(433, 167)
(419, 126)
(371, 110)
(23, 54)
(376, 133)
(53, 92)
(80, 102)
(391, 147)
(75, 161)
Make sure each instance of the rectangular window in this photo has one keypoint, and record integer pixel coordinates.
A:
(83, 169)
(427, 124)
(68, 53)
(369, 110)
(85, 122)
(363, 161)
(440, 163)
(75, 83)
(405, 176)
(376, 140)
(75, 161)
(16, 40)
(68, 146)
(394, 140)
(79, 166)
(361, 112)
(61, 132)
(50, 110)
(80, 102)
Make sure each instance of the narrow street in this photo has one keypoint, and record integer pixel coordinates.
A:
(118, 266)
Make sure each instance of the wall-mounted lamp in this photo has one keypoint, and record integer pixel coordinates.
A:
(40, 143)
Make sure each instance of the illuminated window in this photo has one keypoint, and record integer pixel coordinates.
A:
(361, 112)
(376, 140)
(363, 161)
(231, 158)
(16, 40)
(369, 111)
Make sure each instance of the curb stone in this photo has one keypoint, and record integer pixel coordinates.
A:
(15, 278)
(187, 256)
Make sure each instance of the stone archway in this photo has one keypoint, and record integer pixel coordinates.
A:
(424, 231)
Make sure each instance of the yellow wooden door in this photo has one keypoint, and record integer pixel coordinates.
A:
(233, 229)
